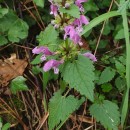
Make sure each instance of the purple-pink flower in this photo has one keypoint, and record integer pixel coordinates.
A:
(52, 64)
(90, 56)
(44, 50)
(54, 9)
(72, 33)
(80, 21)
(79, 4)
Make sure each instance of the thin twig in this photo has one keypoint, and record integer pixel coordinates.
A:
(32, 15)
(102, 29)
(38, 15)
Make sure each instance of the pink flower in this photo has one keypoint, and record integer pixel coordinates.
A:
(78, 3)
(80, 21)
(54, 9)
(52, 64)
(44, 50)
(72, 33)
(37, 50)
(90, 56)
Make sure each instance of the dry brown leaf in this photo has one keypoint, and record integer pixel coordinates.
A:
(11, 68)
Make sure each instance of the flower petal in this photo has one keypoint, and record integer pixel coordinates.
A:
(90, 56)
(54, 9)
(37, 50)
(52, 64)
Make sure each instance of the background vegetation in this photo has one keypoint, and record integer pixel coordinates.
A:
(32, 99)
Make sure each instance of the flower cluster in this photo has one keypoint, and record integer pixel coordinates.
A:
(51, 64)
(71, 26)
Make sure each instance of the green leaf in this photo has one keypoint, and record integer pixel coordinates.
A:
(72, 11)
(107, 113)
(103, 44)
(120, 34)
(6, 126)
(45, 79)
(3, 40)
(120, 83)
(7, 20)
(3, 11)
(100, 19)
(90, 6)
(107, 75)
(108, 27)
(80, 76)
(120, 67)
(61, 107)
(39, 3)
(36, 70)
(36, 60)
(48, 38)
(19, 30)
(107, 87)
(18, 84)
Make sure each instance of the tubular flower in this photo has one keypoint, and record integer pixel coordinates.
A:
(80, 21)
(52, 64)
(44, 50)
(72, 33)
(78, 3)
(90, 56)
(54, 9)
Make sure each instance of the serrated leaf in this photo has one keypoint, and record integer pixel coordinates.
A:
(120, 83)
(72, 11)
(18, 84)
(61, 107)
(80, 76)
(3, 11)
(48, 38)
(107, 75)
(7, 20)
(120, 67)
(39, 3)
(3, 40)
(19, 30)
(107, 113)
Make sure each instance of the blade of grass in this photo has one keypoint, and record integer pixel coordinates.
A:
(100, 19)
(126, 95)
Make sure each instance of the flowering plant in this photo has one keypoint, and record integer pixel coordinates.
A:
(71, 27)
(67, 56)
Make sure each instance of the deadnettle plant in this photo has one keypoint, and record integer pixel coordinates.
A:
(72, 28)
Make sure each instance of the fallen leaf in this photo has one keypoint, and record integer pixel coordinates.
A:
(11, 68)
